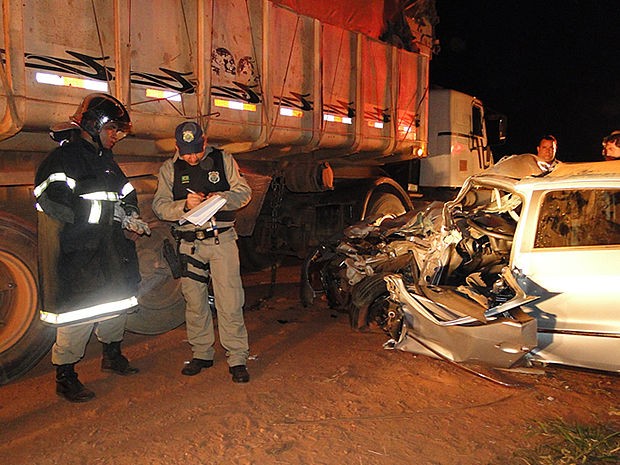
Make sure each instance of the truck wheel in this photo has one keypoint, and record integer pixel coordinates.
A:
(24, 340)
(251, 249)
(250, 259)
(383, 203)
(161, 304)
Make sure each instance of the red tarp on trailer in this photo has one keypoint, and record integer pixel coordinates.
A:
(365, 16)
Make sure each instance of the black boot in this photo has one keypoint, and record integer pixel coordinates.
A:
(68, 385)
(115, 362)
(239, 374)
(195, 366)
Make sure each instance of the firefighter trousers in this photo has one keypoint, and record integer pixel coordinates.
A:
(71, 340)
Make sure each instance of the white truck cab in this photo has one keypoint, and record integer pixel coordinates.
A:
(458, 143)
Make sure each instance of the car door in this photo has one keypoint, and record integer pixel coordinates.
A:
(568, 250)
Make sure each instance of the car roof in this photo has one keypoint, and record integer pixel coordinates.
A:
(576, 175)
(521, 172)
(589, 169)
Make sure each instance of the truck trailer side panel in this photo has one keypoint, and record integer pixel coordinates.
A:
(292, 93)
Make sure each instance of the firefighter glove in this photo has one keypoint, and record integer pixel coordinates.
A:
(133, 223)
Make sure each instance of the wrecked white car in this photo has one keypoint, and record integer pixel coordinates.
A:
(521, 267)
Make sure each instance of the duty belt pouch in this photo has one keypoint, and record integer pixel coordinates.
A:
(173, 259)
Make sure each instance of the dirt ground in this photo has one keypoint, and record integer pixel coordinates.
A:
(320, 394)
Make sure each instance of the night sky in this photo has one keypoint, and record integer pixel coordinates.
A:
(552, 66)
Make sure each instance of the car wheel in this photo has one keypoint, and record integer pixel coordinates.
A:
(366, 301)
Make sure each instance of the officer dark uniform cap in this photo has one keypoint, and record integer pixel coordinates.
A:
(189, 137)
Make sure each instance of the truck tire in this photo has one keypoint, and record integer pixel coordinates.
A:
(24, 340)
(161, 304)
(252, 256)
(384, 203)
(250, 259)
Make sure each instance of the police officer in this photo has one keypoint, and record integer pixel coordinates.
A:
(195, 173)
(89, 268)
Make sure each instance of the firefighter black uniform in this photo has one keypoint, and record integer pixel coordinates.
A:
(89, 269)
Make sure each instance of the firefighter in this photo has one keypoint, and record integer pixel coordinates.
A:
(88, 267)
(194, 174)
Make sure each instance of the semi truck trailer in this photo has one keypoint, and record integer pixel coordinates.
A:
(326, 106)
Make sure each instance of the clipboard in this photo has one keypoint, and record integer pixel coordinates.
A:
(202, 213)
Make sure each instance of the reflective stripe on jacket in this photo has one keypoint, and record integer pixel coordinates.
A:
(89, 269)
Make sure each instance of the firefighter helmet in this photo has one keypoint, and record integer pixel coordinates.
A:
(99, 109)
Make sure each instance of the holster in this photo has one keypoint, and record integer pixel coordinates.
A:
(173, 259)
(178, 263)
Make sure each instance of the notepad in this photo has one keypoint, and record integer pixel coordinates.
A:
(204, 212)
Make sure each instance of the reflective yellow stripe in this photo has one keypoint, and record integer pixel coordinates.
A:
(101, 195)
(127, 189)
(96, 208)
(96, 311)
(95, 212)
(54, 177)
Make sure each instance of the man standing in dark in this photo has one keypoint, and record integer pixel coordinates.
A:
(545, 152)
(611, 146)
(196, 173)
(88, 268)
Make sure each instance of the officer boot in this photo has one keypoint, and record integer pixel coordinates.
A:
(68, 385)
(115, 362)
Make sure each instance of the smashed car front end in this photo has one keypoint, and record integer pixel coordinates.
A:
(500, 336)
(520, 267)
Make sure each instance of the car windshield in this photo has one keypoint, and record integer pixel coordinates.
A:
(579, 218)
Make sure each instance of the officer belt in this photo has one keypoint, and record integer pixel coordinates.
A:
(198, 235)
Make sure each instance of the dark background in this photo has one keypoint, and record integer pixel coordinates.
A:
(549, 66)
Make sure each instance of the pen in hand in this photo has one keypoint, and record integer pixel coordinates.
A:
(194, 200)
(194, 192)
